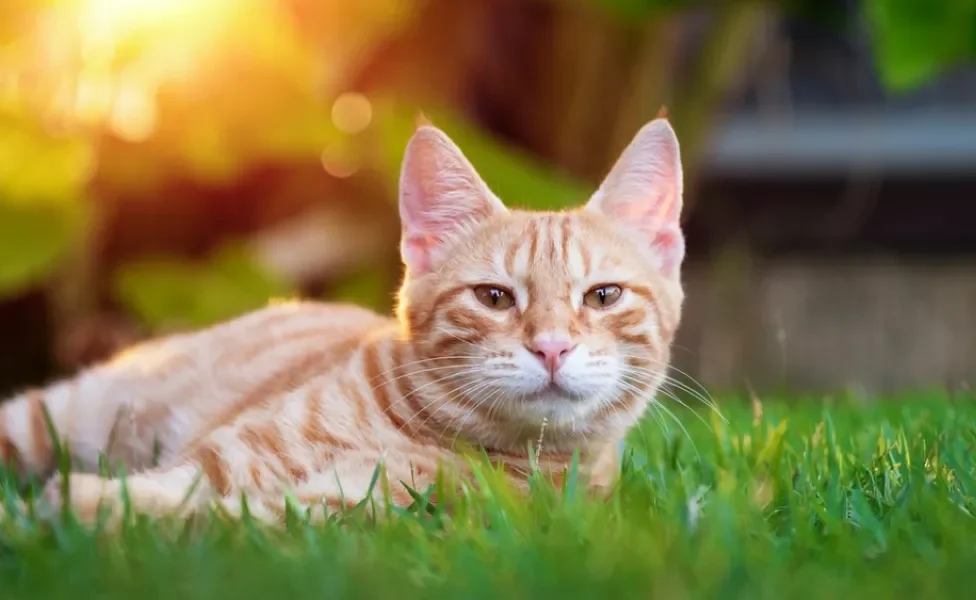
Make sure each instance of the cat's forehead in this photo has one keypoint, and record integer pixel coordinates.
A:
(557, 248)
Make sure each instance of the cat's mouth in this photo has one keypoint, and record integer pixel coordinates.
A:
(553, 391)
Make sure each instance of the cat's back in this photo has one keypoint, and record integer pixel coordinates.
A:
(197, 376)
(319, 325)
(261, 337)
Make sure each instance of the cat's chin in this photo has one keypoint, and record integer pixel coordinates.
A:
(554, 392)
(553, 404)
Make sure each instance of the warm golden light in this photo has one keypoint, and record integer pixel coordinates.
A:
(133, 116)
(207, 85)
(107, 26)
(106, 23)
(113, 56)
(93, 98)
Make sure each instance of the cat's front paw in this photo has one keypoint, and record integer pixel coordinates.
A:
(86, 494)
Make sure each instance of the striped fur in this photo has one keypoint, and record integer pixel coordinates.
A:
(307, 398)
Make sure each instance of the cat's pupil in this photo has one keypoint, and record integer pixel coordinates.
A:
(602, 297)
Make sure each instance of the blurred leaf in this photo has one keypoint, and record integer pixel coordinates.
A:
(517, 178)
(38, 167)
(42, 183)
(914, 40)
(172, 293)
(369, 288)
(832, 16)
(639, 9)
(917, 40)
(33, 240)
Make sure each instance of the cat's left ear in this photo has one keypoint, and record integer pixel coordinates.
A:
(643, 192)
(442, 198)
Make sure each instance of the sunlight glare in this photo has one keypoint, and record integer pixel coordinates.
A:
(108, 22)
(133, 116)
(154, 41)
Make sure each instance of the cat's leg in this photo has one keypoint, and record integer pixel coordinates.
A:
(160, 492)
(124, 409)
(88, 416)
(355, 477)
(189, 487)
(224, 478)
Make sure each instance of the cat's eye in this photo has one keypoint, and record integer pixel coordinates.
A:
(494, 297)
(602, 296)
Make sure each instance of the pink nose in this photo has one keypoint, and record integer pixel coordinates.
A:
(552, 352)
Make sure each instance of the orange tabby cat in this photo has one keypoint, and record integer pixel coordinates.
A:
(511, 325)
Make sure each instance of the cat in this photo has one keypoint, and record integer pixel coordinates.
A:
(513, 330)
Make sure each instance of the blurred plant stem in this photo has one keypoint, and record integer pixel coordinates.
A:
(579, 77)
(600, 114)
(649, 84)
(716, 72)
(73, 291)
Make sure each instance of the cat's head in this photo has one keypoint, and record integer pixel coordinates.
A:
(524, 317)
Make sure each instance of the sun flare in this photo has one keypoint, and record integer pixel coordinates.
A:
(106, 60)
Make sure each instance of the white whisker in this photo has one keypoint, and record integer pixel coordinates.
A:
(705, 398)
(632, 375)
(448, 377)
(411, 373)
(461, 359)
(637, 390)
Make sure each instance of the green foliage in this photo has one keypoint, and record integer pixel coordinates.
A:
(914, 41)
(167, 292)
(369, 288)
(806, 501)
(640, 9)
(33, 241)
(42, 212)
(513, 175)
(917, 40)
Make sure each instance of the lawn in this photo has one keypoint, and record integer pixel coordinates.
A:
(799, 499)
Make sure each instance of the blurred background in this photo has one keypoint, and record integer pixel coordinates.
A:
(165, 164)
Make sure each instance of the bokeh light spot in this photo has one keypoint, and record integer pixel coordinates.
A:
(352, 113)
(133, 116)
(338, 163)
(93, 98)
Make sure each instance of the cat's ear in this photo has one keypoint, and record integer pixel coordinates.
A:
(441, 197)
(643, 192)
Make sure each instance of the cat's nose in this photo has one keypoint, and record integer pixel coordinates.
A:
(552, 352)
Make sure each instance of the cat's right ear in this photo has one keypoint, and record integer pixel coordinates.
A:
(441, 197)
(643, 193)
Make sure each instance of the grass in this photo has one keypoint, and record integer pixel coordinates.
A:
(805, 500)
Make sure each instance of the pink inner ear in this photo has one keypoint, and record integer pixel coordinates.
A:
(440, 196)
(669, 246)
(416, 253)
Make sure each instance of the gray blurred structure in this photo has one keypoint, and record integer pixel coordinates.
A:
(833, 241)
(874, 325)
(929, 143)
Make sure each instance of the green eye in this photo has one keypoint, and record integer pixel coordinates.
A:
(494, 297)
(602, 296)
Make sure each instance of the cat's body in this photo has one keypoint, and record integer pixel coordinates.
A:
(512, 326)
